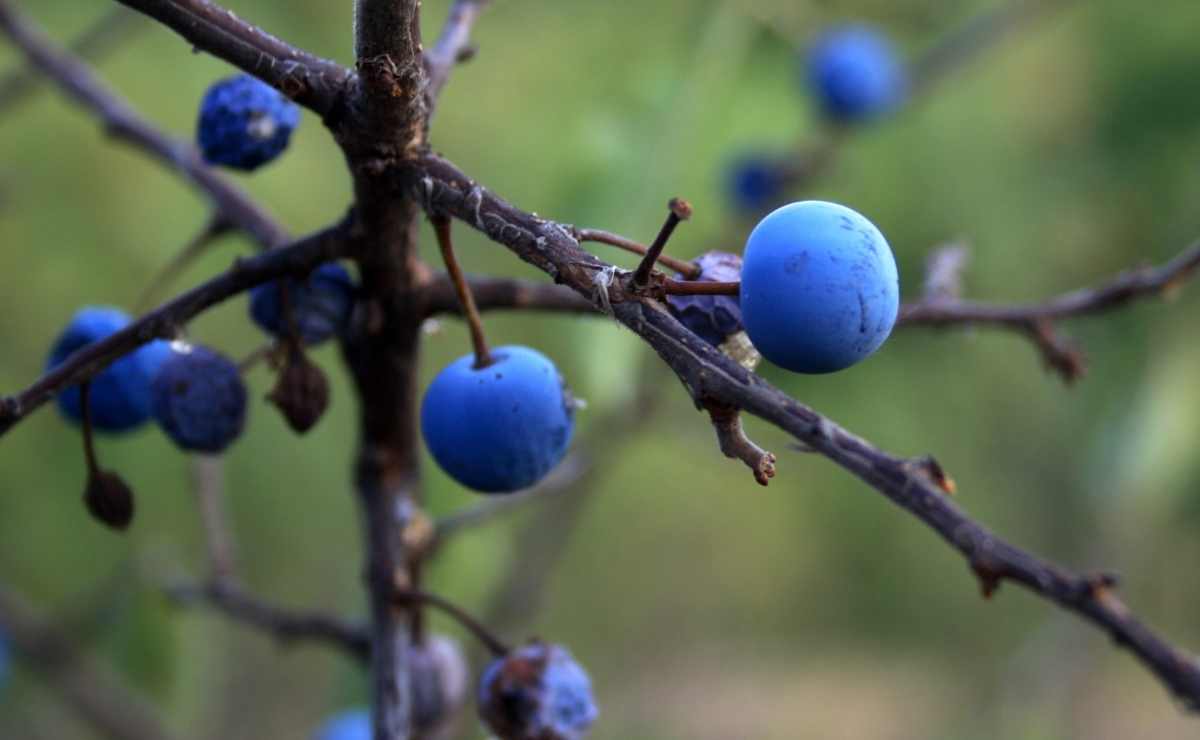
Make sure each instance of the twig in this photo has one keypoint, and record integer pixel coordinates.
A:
(286, 625)
(452, 46)
(311, 81)
(504, 293)
(164, 321)
(727, 421)
(460, 615)
(76, 78)
(208, 483)
(710, 376)
(466, 301)
(94, 692)
(677, 210)
(688, 269)
(213, 229)
(112, 29)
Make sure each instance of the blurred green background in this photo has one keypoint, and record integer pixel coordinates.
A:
(704, 606)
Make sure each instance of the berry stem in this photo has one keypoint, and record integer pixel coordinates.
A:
(699, 287)
(483, 356)
(679, 210)
(89, 449)
(688, 269)
(472, 625)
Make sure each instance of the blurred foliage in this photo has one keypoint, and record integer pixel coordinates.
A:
(704, 606)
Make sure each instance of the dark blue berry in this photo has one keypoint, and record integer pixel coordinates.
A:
(120, 394)
(713, 317)
(756, 183)
(320, 304)
(245, 123)
(855, 74)
(199, 399)
(352, 724)
(537, 692)
(499, 428)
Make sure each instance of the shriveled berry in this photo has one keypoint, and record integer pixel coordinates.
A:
(199, 399)
(320, 305)
(301, 392)
(713, 317)
(537, 692)
(855, 74)
(120, 394)
(439, 682)
(109, 499)
(502, 427)
(819, 290)
(244, 123)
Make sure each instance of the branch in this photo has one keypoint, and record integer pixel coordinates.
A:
(504, 293)
(388, 52)
(709, 376)
(164, 321)
(285, 625)
(92, 690)
(76, 78)
(452, 47)
(96, 42)
(317, 84)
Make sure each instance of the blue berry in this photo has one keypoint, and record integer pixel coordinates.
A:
(440, 676)
(352, 724)
(755, 183)
(537, 692)
(120, 394)
(713, 317)
(4, 659)
(199, 399)
(855, 74)
(499, 428)
(820, 290)
(320, 304)
(245, 123)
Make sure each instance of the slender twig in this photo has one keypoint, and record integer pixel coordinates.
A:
(214, 228)
(687, 269)
(732, 439)
(452, 46)
(483, 356)
(89, 445)
(313, 82)
(677, 210)
(710, 376)
(164, 321)
(76, 78)
(208, 484)
(286, 625)
(458, 614)
(700, 287)
(93, 691)
(107, 34)
(491, 293)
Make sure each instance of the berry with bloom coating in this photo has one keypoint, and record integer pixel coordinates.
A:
(199, 399)
(713, 317)
(820, 290)
(440, 676)
(120, 394)
(537, 692)
(855, 74)
(755, 183)
(244, 123)
(499, 428)
(320, 304)
(352, 724)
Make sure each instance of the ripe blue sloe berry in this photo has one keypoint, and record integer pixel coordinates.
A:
(352, 724)
(199, 399)
(502, 427)
(244, 123)
(820, 290)
(120, 394)
(855, 74)
(713, 317)
(755, 183)
(320, 304)
(537, 692)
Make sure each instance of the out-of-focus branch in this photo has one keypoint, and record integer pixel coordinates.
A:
(166, 320)
(286, 625)
(453, 46)
(78, 80)
(101, 38)
(208, 483)
(1037, 320)
(709, 376)
(94, 692)
(315, 83)
(504, 293)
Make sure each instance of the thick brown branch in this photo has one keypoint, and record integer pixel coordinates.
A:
(504, 293)
(95, 693)
(165, 321)
(452, 46)
(315, 83)
(392, 94)
(710, 376)
(77, 80)
(96, 42)
(286, 625)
